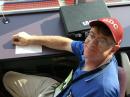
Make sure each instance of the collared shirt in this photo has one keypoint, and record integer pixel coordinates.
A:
(103, 84)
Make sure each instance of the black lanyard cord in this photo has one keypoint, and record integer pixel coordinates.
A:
(83, 76)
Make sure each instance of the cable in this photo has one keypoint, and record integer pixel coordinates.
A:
(4, 20)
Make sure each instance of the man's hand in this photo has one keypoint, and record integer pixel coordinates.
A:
(21, 38)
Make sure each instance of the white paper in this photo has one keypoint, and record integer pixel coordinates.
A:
(28, 49)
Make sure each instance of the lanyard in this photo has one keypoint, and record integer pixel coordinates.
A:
(59, 91)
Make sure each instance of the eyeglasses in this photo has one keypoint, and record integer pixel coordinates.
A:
(99, 40)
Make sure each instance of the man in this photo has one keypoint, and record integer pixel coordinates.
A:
(96, 54)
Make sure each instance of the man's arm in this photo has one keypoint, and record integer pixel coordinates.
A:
(55, 42)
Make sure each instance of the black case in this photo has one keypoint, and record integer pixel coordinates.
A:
(76, 18)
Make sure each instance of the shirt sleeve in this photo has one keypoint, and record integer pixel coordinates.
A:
(77, 48)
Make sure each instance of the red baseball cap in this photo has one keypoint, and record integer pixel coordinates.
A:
(114, 26)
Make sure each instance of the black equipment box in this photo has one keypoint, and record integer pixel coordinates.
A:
(76, 18)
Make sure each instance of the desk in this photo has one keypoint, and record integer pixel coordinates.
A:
(46, 23)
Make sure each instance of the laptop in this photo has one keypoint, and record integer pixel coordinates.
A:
(76, 18)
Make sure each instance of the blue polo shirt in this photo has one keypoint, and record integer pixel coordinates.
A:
(102, 84)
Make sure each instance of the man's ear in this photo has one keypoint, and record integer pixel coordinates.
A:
(115, 48)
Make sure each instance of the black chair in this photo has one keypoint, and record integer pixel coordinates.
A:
(123, 57)
(126, 65)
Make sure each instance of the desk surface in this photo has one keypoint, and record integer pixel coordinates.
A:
(39, 24)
